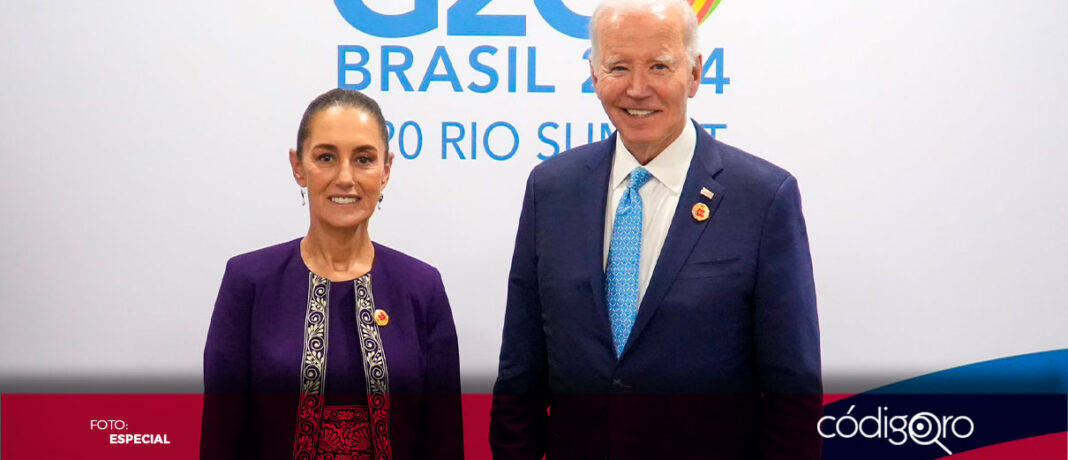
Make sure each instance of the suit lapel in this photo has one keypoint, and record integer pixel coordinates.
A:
(684, 231)
(593, 186)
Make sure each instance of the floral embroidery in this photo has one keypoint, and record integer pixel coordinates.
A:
(345, 433)
(313, 368)
(376, 373)
(340, 431)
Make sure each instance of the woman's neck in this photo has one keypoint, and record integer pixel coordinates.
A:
(337, 254)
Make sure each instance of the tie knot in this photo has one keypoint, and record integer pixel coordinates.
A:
(638, 178)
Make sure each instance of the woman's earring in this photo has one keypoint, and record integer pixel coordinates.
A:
(380, 198)
(302, 202)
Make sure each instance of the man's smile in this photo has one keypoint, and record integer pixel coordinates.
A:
(640, 113)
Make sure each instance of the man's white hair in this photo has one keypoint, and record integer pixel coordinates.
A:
(606, 7)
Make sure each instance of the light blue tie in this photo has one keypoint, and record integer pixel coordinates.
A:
(624, 252)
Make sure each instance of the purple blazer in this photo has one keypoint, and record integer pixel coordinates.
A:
(265, 360)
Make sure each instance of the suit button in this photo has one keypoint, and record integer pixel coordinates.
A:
(617, 386)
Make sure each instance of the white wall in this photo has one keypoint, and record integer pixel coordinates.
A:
(145, 143)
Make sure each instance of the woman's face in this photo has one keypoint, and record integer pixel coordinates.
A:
(344, 166)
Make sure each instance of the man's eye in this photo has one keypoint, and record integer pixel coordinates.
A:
(660, 67)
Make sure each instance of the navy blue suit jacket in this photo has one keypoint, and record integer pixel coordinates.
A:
(723, 360)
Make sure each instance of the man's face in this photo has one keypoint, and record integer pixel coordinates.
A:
(643, 78)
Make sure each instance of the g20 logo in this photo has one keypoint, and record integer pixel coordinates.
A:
(463, 18)
(357, 69)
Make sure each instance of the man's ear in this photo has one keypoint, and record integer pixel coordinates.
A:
(298, 169)
(695, 80)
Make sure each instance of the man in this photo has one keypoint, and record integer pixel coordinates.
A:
(660, 301)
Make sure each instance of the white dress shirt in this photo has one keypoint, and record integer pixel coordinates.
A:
(660, 196)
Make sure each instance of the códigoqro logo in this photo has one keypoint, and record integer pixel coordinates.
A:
(923, 428)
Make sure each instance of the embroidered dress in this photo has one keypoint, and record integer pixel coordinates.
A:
(295, 366)
(335, 417)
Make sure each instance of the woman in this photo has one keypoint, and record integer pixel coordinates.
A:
(332, 346)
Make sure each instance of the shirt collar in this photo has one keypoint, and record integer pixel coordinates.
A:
(669, 167)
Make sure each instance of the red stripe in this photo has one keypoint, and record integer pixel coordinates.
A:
(1046, 447)
(57, 426)
(705, 9)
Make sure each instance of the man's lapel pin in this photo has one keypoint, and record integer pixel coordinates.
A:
(700, 212)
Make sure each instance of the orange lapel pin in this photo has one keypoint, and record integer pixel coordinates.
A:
(381, 318)
(700, 212)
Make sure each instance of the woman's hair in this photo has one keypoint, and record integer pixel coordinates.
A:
(339, 97)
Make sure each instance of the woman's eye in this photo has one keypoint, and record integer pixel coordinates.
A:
(365, 160)
(326, 158)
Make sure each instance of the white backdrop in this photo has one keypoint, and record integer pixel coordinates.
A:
(145, 143)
